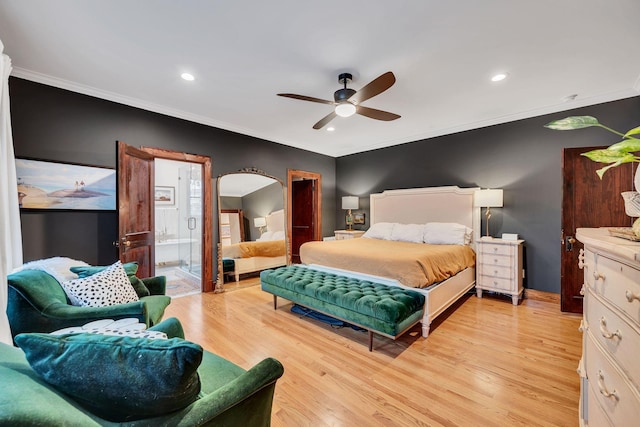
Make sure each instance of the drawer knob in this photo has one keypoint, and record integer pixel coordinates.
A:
(631, 296)
(598, 276)
(605, 332)
(603, 388)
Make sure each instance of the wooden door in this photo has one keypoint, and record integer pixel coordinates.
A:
(302, 216)
(587, 201)
(135, 208)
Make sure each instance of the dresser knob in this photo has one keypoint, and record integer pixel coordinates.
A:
(603, 388)
(631, 296)
(605, 332)
(598, 276)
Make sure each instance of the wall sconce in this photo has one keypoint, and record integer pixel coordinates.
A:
(260, 223)
(488, 199)
(348, 203)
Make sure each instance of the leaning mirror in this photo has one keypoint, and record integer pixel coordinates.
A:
(252, 225)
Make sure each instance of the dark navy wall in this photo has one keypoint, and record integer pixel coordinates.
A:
(522, 157)
(54, 124)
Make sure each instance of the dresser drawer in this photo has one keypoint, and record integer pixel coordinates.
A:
(617, 283)
(493, 249)
(614, 334)
(596, 415)
(610, 390)
(496, 271)
(489, 260)
(490, 282)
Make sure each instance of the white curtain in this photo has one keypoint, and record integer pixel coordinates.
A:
(10, 230)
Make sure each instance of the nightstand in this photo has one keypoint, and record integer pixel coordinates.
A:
(348, 234)
(499, 267)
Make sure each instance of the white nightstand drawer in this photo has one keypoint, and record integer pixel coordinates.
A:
(495, 283)
(618, 283)
(496, 260)
(611, 390)
(495, 249)
(496, 271)
(596, 415)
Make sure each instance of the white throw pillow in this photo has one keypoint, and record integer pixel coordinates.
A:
(446, 233)
(111, 286)
(278, 235)
(413, 233)
(380, 230)
(267, 235)
(58, 267)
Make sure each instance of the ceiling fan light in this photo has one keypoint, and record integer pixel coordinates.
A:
(345, 109)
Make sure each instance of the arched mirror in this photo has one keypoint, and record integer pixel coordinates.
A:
(252, 224)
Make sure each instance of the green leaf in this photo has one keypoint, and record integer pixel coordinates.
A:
(609, 156)
(634, 131)
(626, 145)
(574, 122)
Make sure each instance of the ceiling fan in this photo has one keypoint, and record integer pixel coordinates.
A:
(347, 101)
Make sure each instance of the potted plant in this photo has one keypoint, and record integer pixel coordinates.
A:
(614, 155)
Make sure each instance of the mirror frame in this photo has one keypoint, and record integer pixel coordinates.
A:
(254, 171)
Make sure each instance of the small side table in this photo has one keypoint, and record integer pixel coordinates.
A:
(499, 267)
(348, 234)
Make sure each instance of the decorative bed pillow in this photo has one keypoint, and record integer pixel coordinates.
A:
(446, 233)
(131, 268)
(413, 233)
(110, 286)
(278, 235)
(265, 236)
(117, 378)
(61, 268)
(380, 230)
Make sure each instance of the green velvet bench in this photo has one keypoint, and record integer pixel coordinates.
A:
(386, 310)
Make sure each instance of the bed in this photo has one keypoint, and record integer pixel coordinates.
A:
(441, 281)
(268, 251)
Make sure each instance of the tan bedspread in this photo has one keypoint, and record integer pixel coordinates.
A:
(413, 264)
(268, 248)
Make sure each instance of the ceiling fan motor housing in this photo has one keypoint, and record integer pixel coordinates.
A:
(342, 95)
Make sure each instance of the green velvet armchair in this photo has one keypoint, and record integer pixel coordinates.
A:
(229, 395)
(36, 302)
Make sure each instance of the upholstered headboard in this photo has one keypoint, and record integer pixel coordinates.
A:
(276, 220)
(429, 204)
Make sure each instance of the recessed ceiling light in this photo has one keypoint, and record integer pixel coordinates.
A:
(330, 129)
(499, 77)
(570, 98)
(187, 76)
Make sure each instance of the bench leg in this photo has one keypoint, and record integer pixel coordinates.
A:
(425, 329)
(275, 302)
(370, 340)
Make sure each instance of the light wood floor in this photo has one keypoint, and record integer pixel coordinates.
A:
(485, 363)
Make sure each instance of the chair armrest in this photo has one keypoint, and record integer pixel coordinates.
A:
(67, 312)
(247, 400)
(157, 285)
(171, 327)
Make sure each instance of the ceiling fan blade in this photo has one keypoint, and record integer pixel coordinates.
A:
(376, 87)
(372, 113)
(326, 119)
(306, 98)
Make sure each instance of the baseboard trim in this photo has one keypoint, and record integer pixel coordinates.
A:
(542, 296)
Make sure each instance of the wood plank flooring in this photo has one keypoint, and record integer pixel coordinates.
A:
(485, 363)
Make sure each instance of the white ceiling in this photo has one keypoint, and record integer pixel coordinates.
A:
(243, 53)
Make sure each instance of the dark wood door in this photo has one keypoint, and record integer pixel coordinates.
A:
(302, 216)
(587, 201)
(135, 208)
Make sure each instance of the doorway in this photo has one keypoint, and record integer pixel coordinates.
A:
(587, 201)
(304, 214)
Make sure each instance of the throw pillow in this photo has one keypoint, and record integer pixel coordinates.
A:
(111, 286)
(117, 378)
(131, 268)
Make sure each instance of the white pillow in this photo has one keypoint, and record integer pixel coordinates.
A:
(446, 233)
(111, 286)
(413, 233)
(57, 267)
(380, 230)
(265, 236)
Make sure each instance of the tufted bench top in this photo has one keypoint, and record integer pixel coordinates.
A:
(385, 303)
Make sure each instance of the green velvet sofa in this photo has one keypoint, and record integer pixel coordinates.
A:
(36, 302)
(229, 396)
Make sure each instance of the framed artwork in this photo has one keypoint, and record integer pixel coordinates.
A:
(358, 218)
(65, 186)
(165, 195)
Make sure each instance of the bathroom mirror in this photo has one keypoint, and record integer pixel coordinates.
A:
(252, 224)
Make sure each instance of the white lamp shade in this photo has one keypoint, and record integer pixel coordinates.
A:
(346, 109)
(350, 202)
(488, 198)
(260, 222)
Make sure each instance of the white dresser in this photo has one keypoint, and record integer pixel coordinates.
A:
(610, 364)
(499, 267)
(348, 234)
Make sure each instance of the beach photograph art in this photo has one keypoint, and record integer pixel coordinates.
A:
(52, 185)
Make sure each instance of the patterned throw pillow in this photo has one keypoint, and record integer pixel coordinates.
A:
(111, 286)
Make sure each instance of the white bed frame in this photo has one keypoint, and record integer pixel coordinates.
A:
(432, 204)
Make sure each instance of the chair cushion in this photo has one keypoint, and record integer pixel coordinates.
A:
(117, 378)
(131, 268)
(110, 286)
